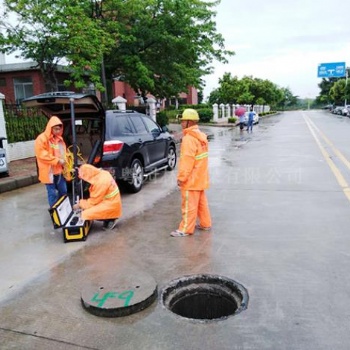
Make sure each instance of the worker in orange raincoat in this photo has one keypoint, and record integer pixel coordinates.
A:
(104, 202)
(50, 152)
(193, 176)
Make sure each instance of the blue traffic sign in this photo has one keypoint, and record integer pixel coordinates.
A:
(331, 70)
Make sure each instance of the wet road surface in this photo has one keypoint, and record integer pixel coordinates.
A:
(280, 228)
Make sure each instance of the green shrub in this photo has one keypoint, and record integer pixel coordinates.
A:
(232, 120)
(23, 124)
(162, 118)
(205, 115)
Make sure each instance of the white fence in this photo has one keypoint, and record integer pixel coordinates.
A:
(222, 112)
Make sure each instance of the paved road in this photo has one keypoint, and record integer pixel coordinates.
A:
(280, 207)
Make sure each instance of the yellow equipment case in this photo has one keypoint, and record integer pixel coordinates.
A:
(73, 226)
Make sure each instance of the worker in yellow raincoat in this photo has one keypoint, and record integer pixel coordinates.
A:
(193, 177)
(104, 202)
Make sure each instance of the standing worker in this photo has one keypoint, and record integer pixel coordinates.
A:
(193, 176)
(104, 202)
(50, 152)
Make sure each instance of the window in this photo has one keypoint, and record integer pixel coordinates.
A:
(139, 125)
(23, 88)
(119, 126)
(151, 125)
(2, 82)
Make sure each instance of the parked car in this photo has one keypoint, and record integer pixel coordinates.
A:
(341, 110)
(255, 120)
(130, 145)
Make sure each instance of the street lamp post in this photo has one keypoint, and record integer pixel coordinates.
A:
(97, 13)
(346, 84)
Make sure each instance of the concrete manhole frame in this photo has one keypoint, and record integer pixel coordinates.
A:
(232, 293)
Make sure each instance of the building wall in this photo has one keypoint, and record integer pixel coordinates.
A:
(37, 80)
(122, 89)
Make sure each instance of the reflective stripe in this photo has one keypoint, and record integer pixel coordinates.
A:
(202, 155)
(54, 146)
(185, 214)
(112, 194)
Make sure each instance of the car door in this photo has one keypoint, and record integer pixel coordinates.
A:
(145, 139)
(159, 143)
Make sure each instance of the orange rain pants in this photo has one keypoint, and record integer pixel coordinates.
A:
(194, 204)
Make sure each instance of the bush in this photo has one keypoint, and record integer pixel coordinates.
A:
(205, 115)
(162, 118)
(23, 125)
(232, 120)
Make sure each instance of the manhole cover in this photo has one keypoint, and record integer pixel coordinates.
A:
(121, 297)
(205, 297)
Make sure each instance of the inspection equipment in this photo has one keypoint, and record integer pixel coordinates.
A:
(73, 226)
(62, 214)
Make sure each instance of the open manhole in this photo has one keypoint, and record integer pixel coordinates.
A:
(205, 297)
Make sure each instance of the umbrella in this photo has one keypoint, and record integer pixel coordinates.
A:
(240, 111)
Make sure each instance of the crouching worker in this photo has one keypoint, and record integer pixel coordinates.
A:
(104, 202)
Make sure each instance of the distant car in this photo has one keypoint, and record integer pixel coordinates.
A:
(130, 145)
(341, 110)
(255, 120)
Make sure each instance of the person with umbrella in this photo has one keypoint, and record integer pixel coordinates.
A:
(240, 113)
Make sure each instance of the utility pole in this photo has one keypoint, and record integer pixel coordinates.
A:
(346, 84)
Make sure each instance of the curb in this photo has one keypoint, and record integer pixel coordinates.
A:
(11, 184)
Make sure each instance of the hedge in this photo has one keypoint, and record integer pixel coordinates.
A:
(23, 124)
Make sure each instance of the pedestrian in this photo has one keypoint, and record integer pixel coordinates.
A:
(50, 152)
(241, 122)
(251, 115)
(193, 177)
(104, 202)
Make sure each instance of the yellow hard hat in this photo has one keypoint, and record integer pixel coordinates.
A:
(190, 114)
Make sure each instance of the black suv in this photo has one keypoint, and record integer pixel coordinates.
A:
(130, 145)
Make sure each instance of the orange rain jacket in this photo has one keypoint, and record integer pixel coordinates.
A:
(193, 166)
(48, 151)
(104, 202)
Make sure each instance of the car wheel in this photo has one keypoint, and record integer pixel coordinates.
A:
(135, 182)
(171, 158)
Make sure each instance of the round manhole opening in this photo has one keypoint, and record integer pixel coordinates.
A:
(205, 297)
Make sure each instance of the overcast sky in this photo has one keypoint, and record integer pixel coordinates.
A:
(283, 41)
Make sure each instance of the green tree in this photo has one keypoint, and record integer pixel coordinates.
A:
(287, 100)
(166, 46)
(49, 32)
(247, 90)
(156, 46)
(325, 85)
(339, 92)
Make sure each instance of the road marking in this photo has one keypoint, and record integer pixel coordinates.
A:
(337, 173)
